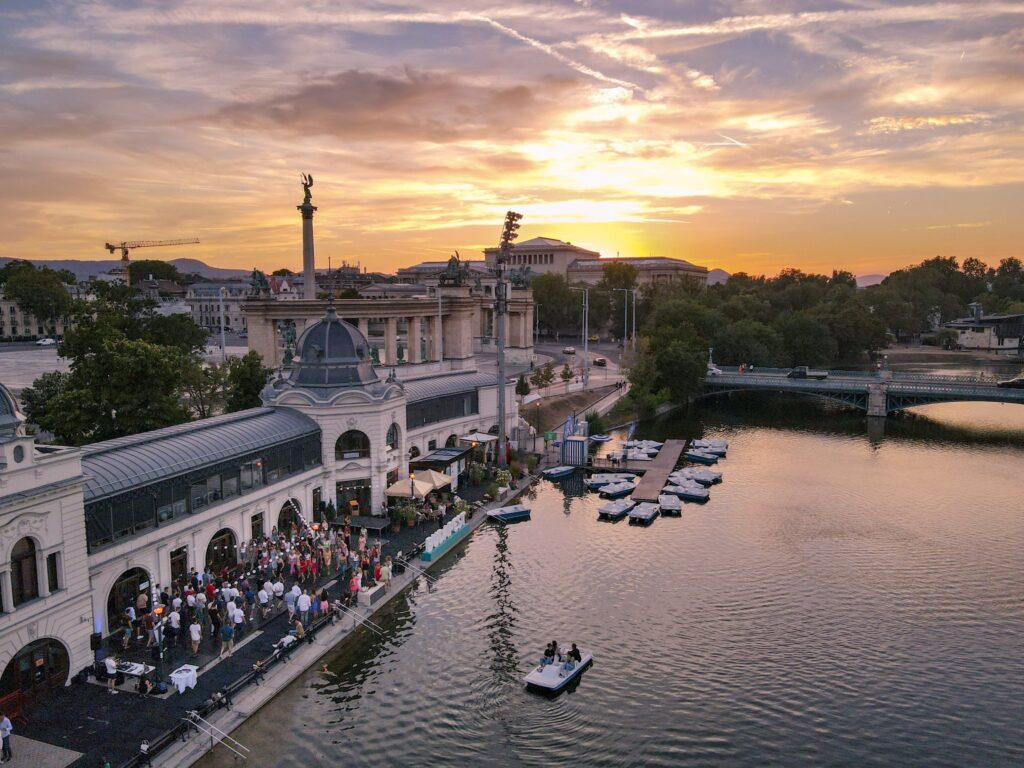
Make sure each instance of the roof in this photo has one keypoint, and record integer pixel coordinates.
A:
(113, 466)
(439, 386)
(548, 242)
(332, 353)
(442, 456)
(638, 261)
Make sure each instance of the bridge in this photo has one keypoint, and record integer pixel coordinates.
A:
(877, 393)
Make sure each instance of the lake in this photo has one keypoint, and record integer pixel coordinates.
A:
(849, 596)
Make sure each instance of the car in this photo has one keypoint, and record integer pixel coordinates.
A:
(714, 370)
(569, 351)
(594, 337)
(47, 342)
(1015, 383)
(600, 362)
(803, 372)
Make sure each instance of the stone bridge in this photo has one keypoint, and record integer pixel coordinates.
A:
(877, 393)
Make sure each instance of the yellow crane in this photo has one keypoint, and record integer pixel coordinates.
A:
(128, 245)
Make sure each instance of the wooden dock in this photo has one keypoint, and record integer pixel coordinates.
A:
(657, 471)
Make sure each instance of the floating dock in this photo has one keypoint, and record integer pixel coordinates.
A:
(657, 470)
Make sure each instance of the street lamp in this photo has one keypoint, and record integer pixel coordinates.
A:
(412, 485)
(508, 234)
(634, 318)
(223, 349)
(536, 322)
(586, 335)
(625, 314)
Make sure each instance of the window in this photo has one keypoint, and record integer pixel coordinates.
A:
(352, 445)
(413, 452)
(432, 445)
(24, 579)
(52, 575)
(229, 485)
(393, 437)
(252, 475)
(257, 525)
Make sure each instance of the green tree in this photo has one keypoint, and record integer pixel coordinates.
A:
(807, 340)
(595, 423)
(40, 292)
(567, 373)
(205, 388)
(682, 367)
(558, 304)
(522, 387)
(36, 399)
(174, 331)
(748, 341)
(246, 378)
(123, 387)
(158, 270)
(282, 272)
(543, 376)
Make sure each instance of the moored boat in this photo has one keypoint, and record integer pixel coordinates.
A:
(705, 477)
(557, 472)
(615, 510)
(600, 438)
(670, 505)
(617, 490)
(700, 457)
(509, 514)
(595, 482)
(643, 513)
(688, 491)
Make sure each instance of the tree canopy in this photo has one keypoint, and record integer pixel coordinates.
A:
(40, 292)
(143, 269)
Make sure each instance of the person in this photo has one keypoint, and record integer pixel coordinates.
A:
(110, 667)
(264, 599)
(549, 654)
(227, 638)
(195, 632)
(6, 728)
(302, 605)
(574, 654)
(385, 573)
(145, 685)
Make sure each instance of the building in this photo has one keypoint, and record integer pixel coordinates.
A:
(989, 332)
(649, 270)
(543, 255)
(84, 531)
(204, 300)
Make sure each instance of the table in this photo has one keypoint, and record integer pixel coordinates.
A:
(135, 669)
(370, 595)
(184, 677)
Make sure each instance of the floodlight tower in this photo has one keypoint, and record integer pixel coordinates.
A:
(508, 234)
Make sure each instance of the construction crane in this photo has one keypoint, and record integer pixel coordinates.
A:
(128, 245)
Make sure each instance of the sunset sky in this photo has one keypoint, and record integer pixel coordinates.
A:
(747, 135)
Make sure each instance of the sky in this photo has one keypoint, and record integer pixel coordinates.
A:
(746, 135)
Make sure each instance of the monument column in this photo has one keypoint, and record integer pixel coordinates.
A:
(308, 262)
(390, 341)
(436, 339)
(364, 327)
(413, 337)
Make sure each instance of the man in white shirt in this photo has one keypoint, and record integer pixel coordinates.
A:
(110, 666)
(238, 619)
(264, 600)
(279, 592)
(302, 604)
(5, 733)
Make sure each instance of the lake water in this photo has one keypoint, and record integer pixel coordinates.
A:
(845, 598)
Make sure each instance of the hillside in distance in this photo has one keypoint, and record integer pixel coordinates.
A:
(84, 270)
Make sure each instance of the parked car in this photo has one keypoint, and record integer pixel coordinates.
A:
(1015, 383)
(714, 370)
(594, 337)
(569, 351)
(803, 372)
(600, 362)
(47, 342)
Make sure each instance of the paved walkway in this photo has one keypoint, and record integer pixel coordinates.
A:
(38, 754)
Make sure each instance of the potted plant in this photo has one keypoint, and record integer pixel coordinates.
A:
(476, 473)
(531, 464)
(492, 490)
(397, 514)
(410, 515)
(504, 479)
(516, 469)
(462, 507)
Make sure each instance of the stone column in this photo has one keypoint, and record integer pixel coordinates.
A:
(7, 590)
(413, 337)
(308, 261)
(390, 341)
(364, 327)
(436, 338)
(263, 339)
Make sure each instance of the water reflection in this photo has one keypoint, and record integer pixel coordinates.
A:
(501, 623)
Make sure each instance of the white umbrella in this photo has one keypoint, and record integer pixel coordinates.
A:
(410, 488)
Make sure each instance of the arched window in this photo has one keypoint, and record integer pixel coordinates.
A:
(41, 665)
(352, 445)
(24, 576)
(393, 437)
(123, 594)
(413, 452)
(452, 441)
(289, 515)
(222, 552)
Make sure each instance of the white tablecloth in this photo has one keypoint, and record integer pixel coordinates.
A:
(184, 677)
(370, 595)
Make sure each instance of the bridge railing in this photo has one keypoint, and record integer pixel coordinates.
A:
(781, 382)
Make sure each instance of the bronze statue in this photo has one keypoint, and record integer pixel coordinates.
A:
(455, 273)
(307, 182)
(258, 284)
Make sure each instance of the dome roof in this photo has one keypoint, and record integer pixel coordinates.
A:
(11, 419)
(332, 353)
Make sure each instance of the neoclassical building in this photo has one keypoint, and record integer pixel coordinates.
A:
(83, 531)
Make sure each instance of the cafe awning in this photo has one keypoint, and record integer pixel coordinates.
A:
(416, 489)
(436, 479)
(478, 437)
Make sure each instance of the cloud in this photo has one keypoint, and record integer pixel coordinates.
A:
(414, 105)
(913, 123)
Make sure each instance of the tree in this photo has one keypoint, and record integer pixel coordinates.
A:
(748, 341)
(558, 304)
(522, 387)
(246, 378)
(567, 373)
(174, 331)
(122, 388)
(36, 399)
(595, 423)
(39, 292)
(682, 367)
(807, 340)
(543, 376)
(158, 270)
(205, 388)
(282, 272)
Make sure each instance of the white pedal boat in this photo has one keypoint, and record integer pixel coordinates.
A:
(551, 678)
(670, 505)
(615, 510)
(643, 513)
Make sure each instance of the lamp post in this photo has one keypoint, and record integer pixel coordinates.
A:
(412, 485)
(625, 314)
(508, 234)
(586, 335)
(536, 322)
(440, 329)
(223, 349)
(634, 318)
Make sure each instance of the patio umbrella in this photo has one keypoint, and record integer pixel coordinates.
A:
(436, 479)
(478, 437)
(410, 488)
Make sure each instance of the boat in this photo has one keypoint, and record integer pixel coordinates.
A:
(595, 482)
(550, 678)
(705, 477)
(558, 472)
(615, 510)
(645, 444)
(509, 514)
(670, 505)
(600, 438)
(700, 457)
(616, 490)
(714, 447)
(688, 492)
(643, 513)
